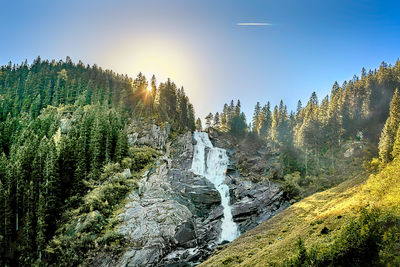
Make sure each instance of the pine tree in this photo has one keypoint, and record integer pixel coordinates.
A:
(3, 242)
(275, 125)
(153, 84)
(238, 125)
(396, 145)
(224, 116)
(389, 131)
(256, 117)
(122, 146)
(237, 108)
(52, 191)
(3, 202)
(216, 120)
(199, 128)
(209, 119)
(299, 108)
(96, 148)
(265, 121)
(191, 116)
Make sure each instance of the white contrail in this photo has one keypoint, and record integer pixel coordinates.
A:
(253, 24)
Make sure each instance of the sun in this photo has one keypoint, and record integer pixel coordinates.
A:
(148, 87)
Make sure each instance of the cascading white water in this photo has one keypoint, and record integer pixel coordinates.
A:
(212, 162)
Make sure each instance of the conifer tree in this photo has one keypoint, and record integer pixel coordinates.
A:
(389, 131)
(216, 120)
(266, 120)
(299, 108)
(237, 108)
(256, 118)
(209, 119)
(122, 146)
(199, 128)
(396, 145)
(153, 84)
(275, 125)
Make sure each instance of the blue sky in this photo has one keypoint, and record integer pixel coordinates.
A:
(309, 45)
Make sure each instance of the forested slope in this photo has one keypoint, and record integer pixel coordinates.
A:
(311, 142)
(356, 223)
(62, 127)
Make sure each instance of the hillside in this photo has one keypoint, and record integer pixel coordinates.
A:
(353, 224)
(96, 168)
(66, 136)
(320, 221)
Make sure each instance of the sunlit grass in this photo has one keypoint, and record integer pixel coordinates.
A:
(273, 242)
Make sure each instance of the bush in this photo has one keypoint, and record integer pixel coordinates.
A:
(371, 240)
(139, 158)
(291, 187)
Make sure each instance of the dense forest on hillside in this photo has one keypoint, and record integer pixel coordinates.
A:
(309, 139)
(64, 146)
(60, 124)
(356, 223)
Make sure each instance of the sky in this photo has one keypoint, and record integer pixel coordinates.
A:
(217, 50)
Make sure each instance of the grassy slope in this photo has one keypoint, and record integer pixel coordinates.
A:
(273, 241)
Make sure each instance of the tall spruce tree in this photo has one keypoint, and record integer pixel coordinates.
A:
(199, 128)
(256, 118)
(389, 131)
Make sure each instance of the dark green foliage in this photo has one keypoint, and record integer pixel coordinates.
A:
(60, 123)
(371, 240)
(389, 131)
(238, 126)
(139, 158)
(199, 127)
(91, 228)
(291, 190)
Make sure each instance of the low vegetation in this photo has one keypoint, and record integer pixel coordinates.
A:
(92, 227)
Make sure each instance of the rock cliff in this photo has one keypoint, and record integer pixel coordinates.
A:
(174, 217)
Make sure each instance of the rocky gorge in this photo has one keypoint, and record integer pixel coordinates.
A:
(174, 218)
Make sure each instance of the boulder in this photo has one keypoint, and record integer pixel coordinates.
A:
(185, 235)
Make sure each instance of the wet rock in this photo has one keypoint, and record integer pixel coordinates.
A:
(174, 217)
(185, 235)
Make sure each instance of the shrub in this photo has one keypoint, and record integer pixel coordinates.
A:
(140, 158)
(372, 239)
(291, 186)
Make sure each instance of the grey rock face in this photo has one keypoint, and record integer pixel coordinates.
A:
(127, 173)
(174, 217)
(147, 134)
(156, 136)
(132, 138)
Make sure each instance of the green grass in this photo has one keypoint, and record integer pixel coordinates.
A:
(317, 220)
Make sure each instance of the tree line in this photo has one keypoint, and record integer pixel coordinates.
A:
(31, 87)
(355, 110)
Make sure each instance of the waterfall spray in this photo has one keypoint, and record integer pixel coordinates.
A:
(211, 162)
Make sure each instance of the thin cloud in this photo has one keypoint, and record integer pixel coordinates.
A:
(253, 24)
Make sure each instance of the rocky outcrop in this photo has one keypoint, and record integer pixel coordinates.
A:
(140, 133)
(174, 217)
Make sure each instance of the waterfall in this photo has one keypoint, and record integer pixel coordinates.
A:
(211, 162)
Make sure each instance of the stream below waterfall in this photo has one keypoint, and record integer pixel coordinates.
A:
(211, 162)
